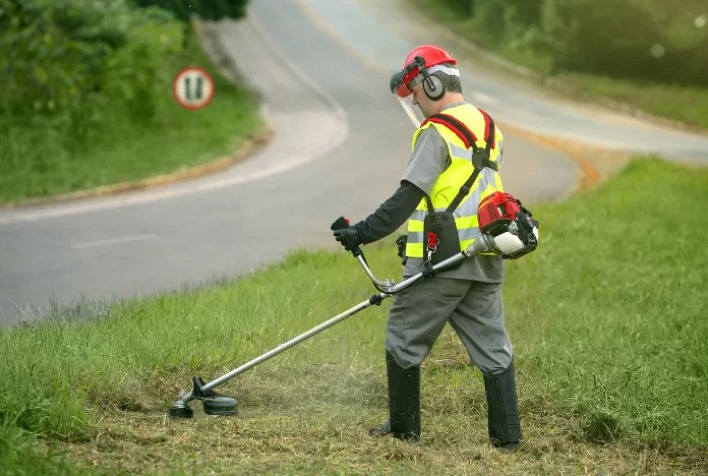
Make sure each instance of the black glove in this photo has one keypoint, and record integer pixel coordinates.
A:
(348, 237)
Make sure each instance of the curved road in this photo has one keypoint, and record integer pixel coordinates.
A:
(342, 142)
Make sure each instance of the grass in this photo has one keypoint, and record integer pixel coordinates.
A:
(607, 318)
(19, 455)
(685, 104)
(39, 161)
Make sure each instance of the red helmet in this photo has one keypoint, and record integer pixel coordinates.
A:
(422, 58)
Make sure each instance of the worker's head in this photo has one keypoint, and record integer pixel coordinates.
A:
(429, 80)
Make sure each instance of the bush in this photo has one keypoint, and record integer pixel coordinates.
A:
(653, 40)
(628, 38)
(462, 8)
(71, 64)
(207, 9)
(501, 21)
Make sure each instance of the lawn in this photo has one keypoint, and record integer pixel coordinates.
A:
(608, 319)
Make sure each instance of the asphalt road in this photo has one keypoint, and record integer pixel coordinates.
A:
(341, 144)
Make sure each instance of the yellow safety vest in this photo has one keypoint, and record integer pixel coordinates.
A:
(449, 182)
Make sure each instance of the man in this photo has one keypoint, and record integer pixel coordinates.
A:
(469, 296)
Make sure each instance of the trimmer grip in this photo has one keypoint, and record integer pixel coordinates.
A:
(339, 223)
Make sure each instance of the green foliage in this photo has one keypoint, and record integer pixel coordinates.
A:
(688, 104)
(71, 68)
(206, 9)
(44, 160)
(86, 98)
(462, 8)
(72, 60)
(652, 40)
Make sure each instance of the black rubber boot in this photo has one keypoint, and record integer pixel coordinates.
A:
(403, 402)
(503, 409)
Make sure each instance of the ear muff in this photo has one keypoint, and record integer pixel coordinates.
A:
(433, 87)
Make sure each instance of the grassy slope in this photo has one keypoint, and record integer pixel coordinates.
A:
(613, 307)
(37, 165)
(607, 317)
(688, 105)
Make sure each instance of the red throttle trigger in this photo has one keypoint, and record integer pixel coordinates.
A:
(432, 242)
(431, 246)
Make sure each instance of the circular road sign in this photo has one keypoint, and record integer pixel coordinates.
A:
(193, 88)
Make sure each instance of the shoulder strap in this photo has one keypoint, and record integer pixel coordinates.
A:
(464, 133)
(460, 130)
(429, 202)
(489, 132)
(480, 158)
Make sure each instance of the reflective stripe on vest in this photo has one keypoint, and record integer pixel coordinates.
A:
(449, 182)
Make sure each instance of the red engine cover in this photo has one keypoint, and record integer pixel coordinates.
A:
(496, 211)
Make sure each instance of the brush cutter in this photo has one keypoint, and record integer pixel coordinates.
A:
(507, 229)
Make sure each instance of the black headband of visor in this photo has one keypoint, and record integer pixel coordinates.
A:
(400, 81)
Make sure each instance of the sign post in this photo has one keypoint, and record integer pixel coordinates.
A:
(193, 88)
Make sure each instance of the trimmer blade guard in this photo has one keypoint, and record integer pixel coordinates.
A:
(214, 403)
(220, 405)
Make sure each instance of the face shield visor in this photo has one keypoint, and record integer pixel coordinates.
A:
(402, 85)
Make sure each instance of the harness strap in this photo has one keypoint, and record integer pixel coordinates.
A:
(460, 130)
(464, 133)
(480, 157)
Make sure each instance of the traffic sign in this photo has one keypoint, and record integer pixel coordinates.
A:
(193, 88)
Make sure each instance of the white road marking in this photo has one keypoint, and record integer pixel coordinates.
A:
(113, 241)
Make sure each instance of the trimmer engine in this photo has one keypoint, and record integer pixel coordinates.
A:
(513, 231)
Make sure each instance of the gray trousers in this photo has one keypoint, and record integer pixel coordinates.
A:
(475, 310)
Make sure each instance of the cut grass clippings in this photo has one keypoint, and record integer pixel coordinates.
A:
(608, 319)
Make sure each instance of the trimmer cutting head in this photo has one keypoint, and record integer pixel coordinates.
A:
(214, 403)
(180, 411)
(220, 405)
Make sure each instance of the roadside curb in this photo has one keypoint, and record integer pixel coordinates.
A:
(596, 163)
(253, 144)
